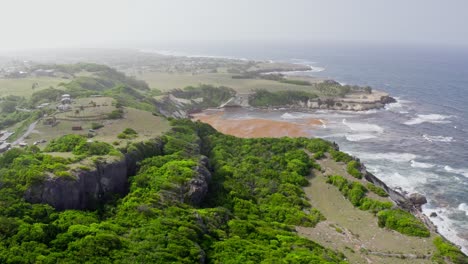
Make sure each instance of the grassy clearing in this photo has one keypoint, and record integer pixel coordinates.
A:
(87, 110)
(23, 86)
(146, 124)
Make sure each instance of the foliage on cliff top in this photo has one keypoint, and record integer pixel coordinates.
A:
(395, 219)
(264, 98)
(445, 250)
(79, 145)
(403, 222)
(154, 224)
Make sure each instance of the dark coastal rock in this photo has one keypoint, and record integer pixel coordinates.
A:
(387, 100)
(433, 214)
(418, 199)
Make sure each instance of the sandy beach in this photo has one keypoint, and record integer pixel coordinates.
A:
(256, 127)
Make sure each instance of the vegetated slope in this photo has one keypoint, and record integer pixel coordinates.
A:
(247, 214)
(255, 199)
(181, 102)
(87, 79)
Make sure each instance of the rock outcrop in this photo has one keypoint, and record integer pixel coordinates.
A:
(418, 199)
(198, 185)
(87, 189)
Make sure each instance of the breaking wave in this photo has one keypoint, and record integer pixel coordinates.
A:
(437, 138)
(431, 118)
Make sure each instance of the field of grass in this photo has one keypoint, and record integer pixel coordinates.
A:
(146, 124)
(23, 86)
(355, 232)
(103, 107)
(167, 81)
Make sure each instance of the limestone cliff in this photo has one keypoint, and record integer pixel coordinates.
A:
(88, 189)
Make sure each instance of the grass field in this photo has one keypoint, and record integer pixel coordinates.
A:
(146, 124)
(167, 81)
(103, 107)
(23, 86)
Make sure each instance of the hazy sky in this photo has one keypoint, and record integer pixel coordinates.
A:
(141, 23)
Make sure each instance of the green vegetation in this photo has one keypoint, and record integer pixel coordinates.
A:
(395, 219)
(95, 125)
(445, 250)
(128, 133)
(45, 96)
(79, 145)
(263, 98)
(255, 197)
(116, 114)
(340, 156)
(403, 222)
(353, 168)
(296, 82)
(377, 190)
(212, 96)
(65, 143)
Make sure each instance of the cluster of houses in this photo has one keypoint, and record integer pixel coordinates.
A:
(4, 146)
(65, 103)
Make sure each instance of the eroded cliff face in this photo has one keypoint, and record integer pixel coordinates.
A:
(83, 192)
(88, 189)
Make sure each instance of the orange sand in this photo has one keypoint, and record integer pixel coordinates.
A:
(255, 128)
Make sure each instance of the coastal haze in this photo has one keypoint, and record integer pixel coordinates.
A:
(413, 51)
(52, 24)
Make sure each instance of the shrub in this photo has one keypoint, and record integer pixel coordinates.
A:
(116, 114)
(319, 155)
(445, 249)
(356, 193)
(377, 190)
(128, 133)
(96, 125)
(340, 156)
(65, 143)
(374, 206)
(403, 222)
(353, 169)
(92, 148)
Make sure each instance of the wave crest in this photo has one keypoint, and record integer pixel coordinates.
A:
(431, 118)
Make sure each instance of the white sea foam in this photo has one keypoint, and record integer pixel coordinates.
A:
(446, 226)
(359, 137)
(295, 116)
(363, 127)
(313, 69)
(431, 118)
(463, 172)
(406, 182)
(463, 207)
(437, 138)
(421, 165)
(390, 156)
(393, 106)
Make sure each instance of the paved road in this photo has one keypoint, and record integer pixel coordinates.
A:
(30, 129)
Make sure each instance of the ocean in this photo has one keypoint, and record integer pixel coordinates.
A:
(420, 143)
